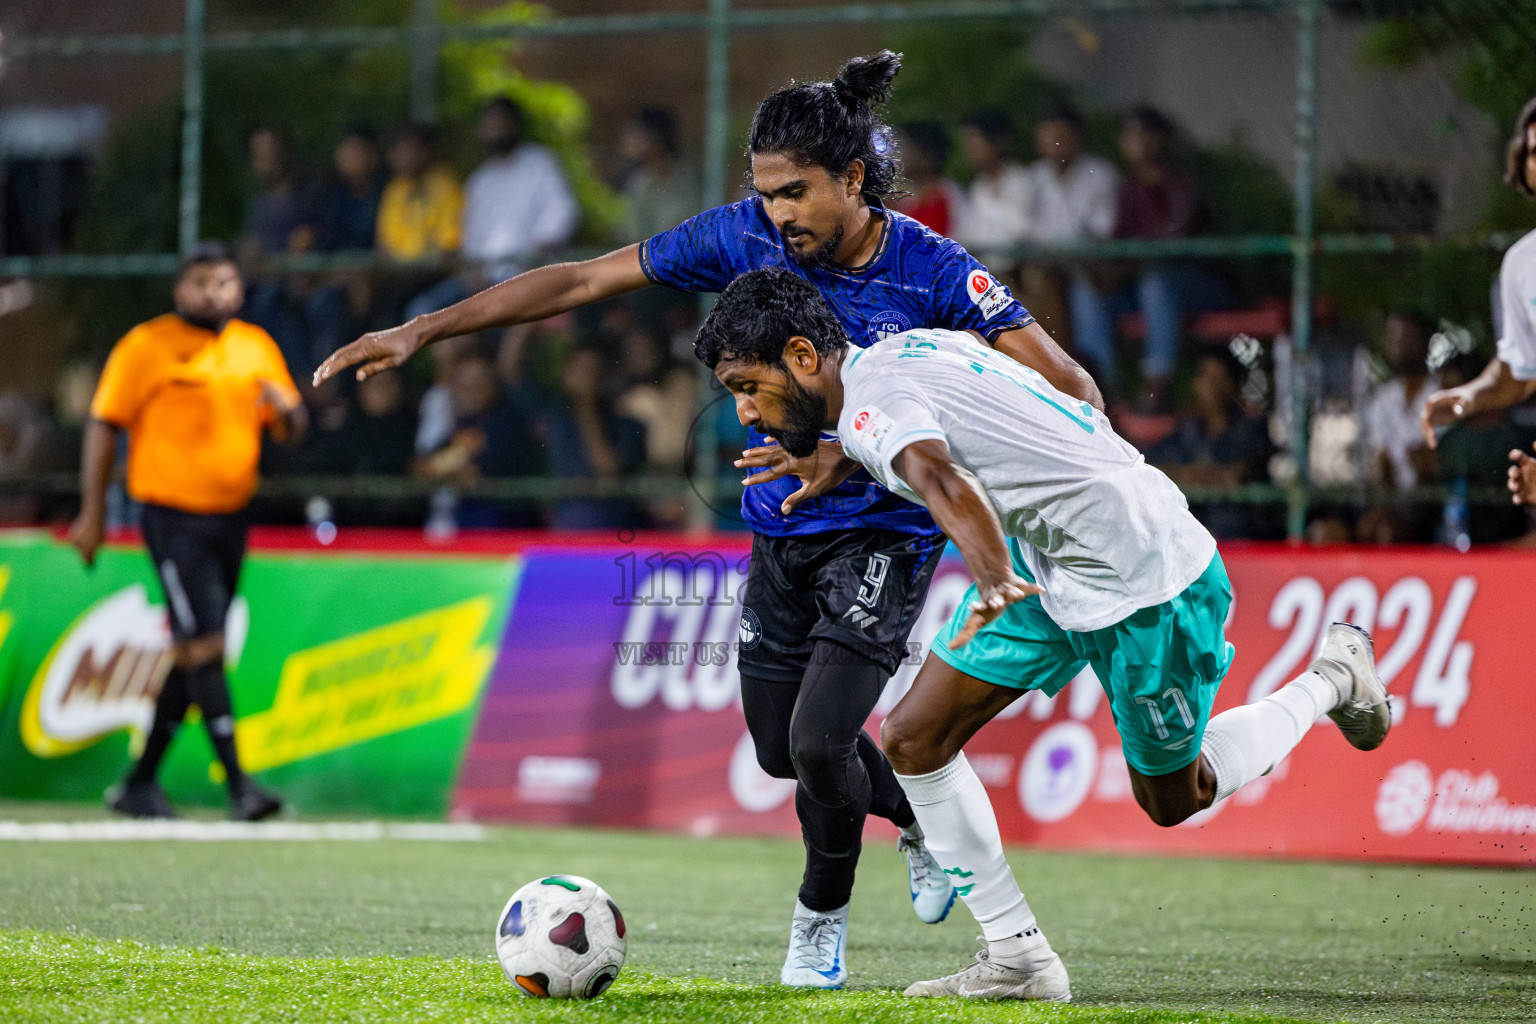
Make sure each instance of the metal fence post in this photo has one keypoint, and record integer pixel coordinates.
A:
(189, 223)
(1303, 244)
(424, 61)
(717, 133)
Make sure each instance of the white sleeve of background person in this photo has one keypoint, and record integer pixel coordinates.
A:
(961, 831)
(1517, 297)
(554, 219)
(1105, 534)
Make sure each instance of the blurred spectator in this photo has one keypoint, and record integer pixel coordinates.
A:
(281, 220)
(371, 435)
(347, 213)
(348, 207)
(658, 394)
(588, 439)
(23, 431)
(1156, 200)
(1395, 453)
(420, 210)
(435, 415)
(517, 207)
(994, 216)
(1071, 195)
(935, 199)
(660, 190)
(1473, 453)
(1216, 444)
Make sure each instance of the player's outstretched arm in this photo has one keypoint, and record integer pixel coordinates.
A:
(958, 504)
(539, 293)
(1490, 391)
(1036, 349)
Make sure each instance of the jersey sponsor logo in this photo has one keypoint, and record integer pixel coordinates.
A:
(872, 427)
(986, 294)
(887, 324)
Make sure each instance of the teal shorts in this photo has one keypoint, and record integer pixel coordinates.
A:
(1160, 666)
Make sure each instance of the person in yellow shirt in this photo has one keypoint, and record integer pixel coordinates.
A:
(419, 216)
(194, 390)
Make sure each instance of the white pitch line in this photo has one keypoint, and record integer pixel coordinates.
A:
(242, 831)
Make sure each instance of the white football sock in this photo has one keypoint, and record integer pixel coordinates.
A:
(960, 829)
(1244, 743)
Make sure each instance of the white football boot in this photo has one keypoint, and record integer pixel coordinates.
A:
(987, 979)
(932, 893)
(816, 943)
(1348, 659)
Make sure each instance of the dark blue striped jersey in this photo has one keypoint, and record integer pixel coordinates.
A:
(915, 279)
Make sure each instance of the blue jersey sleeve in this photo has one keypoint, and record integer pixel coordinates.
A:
(966, 297)
(695, 256)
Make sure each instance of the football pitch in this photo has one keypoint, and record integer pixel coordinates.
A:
(399, 930)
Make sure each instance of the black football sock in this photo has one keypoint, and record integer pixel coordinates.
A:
(210, 692)
(170, 709)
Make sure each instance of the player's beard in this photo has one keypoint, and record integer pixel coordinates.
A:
(205, 319)
(804, 413)
(821, 256)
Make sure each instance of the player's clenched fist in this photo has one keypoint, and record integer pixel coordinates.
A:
(374, 353)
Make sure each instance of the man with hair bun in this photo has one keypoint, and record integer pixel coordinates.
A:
(840, 565)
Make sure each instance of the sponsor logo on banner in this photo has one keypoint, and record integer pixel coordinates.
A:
(1458, 802)
(105, 672)
(371, 684)
(986, 293)
(558, 780)
(1058, 771)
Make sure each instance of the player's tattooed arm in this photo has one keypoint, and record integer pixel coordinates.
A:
(960, 506)
(819, 474)
(540, 293)
(1036, 349)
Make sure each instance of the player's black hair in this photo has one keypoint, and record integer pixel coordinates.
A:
(204, 253)
(660, 125)
(832, 124)
(421, 132)
(993, 124)
(759, 312)
(930, 137)
(361, 131)
(1517, 151)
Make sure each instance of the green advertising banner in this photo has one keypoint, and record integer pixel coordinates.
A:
(356, 678)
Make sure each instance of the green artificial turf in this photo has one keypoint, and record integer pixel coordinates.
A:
(402, 931)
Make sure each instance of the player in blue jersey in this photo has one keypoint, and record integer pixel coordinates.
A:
(840, 566)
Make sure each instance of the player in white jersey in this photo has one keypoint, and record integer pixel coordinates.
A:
(1083, 555)
(1511, 377)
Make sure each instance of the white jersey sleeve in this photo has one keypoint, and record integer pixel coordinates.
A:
(1517, 300)
(875, 428)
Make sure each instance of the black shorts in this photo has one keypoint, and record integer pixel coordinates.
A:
(197, 558)
(862, 589)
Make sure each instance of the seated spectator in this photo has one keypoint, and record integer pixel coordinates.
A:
(372, 435)
(347, 212)
(1070, 194)
(659, 189)
(282, 219)
(420, 209)
(936, 200)
(1391, 438)
(1216, 444)
(491, 437)
(1156, 200)
(659, 394)
(518, 207)
(23, 441)
(1474, 454)
(992, 220)
(588, 439)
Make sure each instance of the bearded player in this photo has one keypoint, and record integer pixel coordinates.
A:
(1083, 555)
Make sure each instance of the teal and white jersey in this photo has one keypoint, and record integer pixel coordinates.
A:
(1106, 534)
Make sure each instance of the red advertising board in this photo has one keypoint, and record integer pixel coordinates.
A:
(614, 702)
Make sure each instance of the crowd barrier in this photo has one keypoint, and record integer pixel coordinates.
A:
(556, 680)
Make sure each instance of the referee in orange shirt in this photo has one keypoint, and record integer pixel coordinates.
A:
(194, 389)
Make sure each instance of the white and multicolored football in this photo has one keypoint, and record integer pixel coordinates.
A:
(561, 937)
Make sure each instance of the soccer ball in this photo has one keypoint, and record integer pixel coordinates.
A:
(561, 937)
